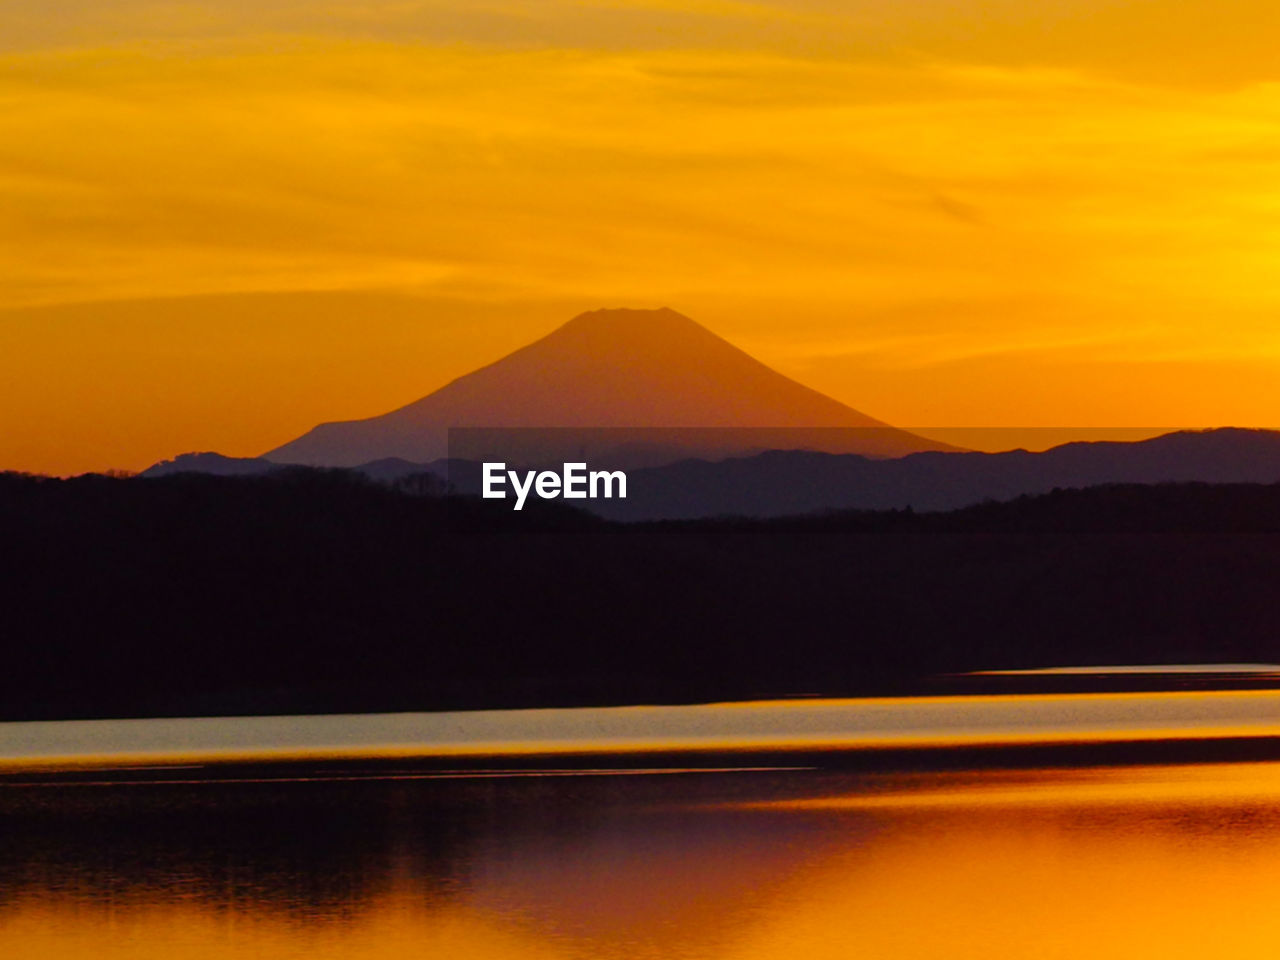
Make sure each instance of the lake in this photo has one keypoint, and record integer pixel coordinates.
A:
(1031, 826)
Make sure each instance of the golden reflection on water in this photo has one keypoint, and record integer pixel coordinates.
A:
(1174, 861)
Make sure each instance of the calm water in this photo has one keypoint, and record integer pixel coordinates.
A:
(1166, 860)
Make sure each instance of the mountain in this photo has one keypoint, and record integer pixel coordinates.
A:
(784, 483)
(584, 387)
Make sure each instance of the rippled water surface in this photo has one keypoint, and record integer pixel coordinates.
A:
(1133, 861)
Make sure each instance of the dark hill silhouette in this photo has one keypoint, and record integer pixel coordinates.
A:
(321, 591)
(613, 369)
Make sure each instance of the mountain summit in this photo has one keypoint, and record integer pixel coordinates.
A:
(615, 369)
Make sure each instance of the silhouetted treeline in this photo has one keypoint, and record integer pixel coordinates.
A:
(320, 591)
(1112, 508)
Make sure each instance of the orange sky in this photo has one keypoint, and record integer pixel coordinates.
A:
(223, 222)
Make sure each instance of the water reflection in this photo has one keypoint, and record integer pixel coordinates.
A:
(1172, 861)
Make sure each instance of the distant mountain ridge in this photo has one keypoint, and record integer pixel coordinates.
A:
(387, 470)
(213, 464)
(785, 483)
(788, 482)
(650, 369)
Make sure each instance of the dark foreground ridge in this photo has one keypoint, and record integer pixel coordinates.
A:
(323, 591)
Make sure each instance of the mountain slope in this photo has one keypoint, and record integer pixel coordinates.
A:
(615, 369)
